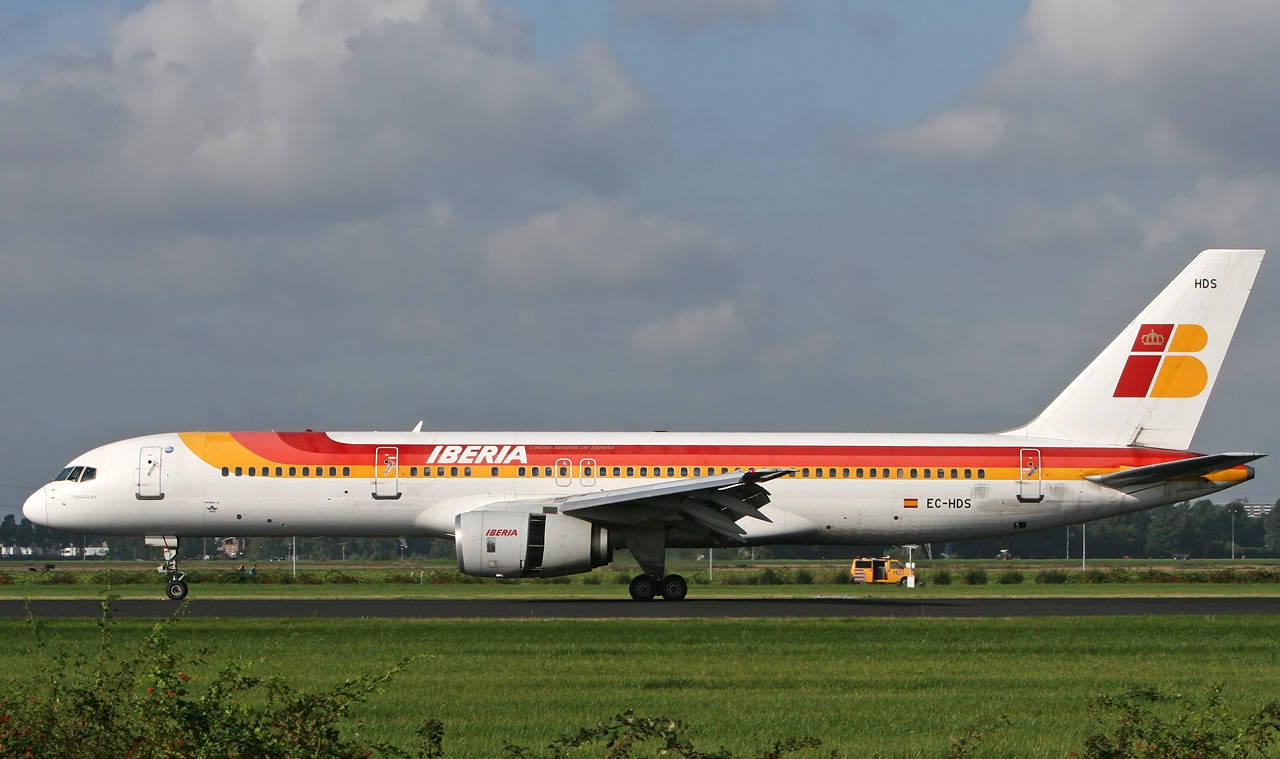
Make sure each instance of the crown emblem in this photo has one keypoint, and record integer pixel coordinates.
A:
(1153, 338)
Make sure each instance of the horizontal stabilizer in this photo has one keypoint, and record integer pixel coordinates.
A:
(1156, 474)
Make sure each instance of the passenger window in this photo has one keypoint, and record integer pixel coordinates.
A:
(466, 471)
(858, 472)
(453, 471)
(239, 472)
(279, 471)
(413, 471)
(885, 473)
(927, 473)
(954, 474)
(617, 471)
(684, 471)
(697, 471)
(941, 474)
(804, 472)
(899, 472)
(631, 471)
(293, 471)
(319, 471)
(521, 471)
(968, 474)
(333, 471)
(913, 474)
(564, 471)
(873, 472)
(346, 471)
(546, 471)
(644, 471)
(982, 474)
(818, 472)
(586, 471)
(671, 471)
(845, 473)
(225, 471)
(439, 471)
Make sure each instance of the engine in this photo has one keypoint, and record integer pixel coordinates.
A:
(518, 544)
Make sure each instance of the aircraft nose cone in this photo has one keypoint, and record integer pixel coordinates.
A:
(34, 509)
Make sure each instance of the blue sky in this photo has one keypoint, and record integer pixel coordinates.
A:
(637, 214)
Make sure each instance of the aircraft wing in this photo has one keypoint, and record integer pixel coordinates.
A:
(1142, 477)
(710, 504)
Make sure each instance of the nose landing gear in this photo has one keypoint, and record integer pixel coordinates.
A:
(175, 588)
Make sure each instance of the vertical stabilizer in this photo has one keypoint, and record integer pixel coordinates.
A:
(1150, 385)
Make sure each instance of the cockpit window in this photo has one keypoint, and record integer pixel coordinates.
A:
(77, 474)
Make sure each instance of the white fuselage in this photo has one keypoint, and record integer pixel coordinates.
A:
(846, 488)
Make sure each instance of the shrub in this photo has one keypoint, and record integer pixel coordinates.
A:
(6, 578)
(143, 704)
(975, 576)
(591, 578)
(1009, 577)
(1091, 576)
(1051, 577)
(769, 576)
(804, 577)
(1196, 730)
(940, 577)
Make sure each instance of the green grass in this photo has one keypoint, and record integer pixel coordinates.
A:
(893, 688)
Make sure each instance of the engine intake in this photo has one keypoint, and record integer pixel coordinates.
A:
(519, 544)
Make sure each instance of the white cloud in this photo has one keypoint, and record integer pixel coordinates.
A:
(702, 329)
(970, 132)
(221, 112)
(595, 241)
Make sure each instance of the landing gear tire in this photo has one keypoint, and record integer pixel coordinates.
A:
(644, 587)
(176, 590)
(673, 588)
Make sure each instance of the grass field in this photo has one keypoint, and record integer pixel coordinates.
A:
(891, 688)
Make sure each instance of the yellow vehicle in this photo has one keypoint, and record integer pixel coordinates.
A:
(882, 570)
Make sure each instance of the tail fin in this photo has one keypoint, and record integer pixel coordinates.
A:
(1150, 385)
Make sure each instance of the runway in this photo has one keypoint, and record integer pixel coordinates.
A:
(627, 609)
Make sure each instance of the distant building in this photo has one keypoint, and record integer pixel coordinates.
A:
(1257, 508)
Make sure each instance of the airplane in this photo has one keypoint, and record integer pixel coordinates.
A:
(542, 504)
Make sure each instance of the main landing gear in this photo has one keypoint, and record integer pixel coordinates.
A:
(671, 587)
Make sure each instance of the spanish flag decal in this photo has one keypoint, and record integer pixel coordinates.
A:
(910, 503)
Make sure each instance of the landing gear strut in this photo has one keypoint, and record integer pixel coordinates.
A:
(672, 587)
(175, 588)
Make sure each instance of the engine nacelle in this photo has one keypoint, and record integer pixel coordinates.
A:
(518, 544)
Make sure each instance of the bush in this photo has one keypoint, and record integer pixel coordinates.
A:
(940, 577)
(804, 577)
(1051, 577)
(1092, 576)
(6, 578)
(769, 576)
(143, 704)
(1195, 731)
(591, 578)
(975, 576)
(1009, 577)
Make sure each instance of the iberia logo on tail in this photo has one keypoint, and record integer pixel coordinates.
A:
(1159, 365)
